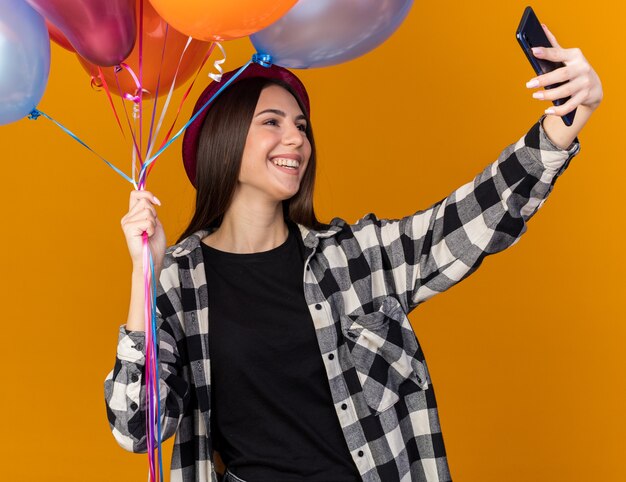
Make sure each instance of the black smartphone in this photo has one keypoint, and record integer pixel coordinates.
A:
(530, 34)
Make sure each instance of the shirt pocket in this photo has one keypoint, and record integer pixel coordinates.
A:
(385, 353)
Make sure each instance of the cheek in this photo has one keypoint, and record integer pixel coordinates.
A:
(254, 154)
(248, 165)
(258, 146)
(308, 155)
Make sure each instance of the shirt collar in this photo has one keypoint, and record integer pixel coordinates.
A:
(310, 237)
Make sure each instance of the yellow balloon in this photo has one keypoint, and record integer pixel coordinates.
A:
(218, 20)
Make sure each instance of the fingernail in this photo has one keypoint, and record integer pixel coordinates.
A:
(537, 51)
(156, 200)
(538, 95)
(532, 83)
(550, 111)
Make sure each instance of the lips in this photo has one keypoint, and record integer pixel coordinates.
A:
(294, 171)
(294, 156)
(286, 162)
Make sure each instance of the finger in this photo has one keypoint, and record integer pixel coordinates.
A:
(550, 36)
(558, 54)
(143, 214)
(139, 217)
(565, 90)
(554, 54)
(136, 195)
(568, 107)
(557, 76)
(570, 72)
(142, 199)
(142, 205)
(137, 228)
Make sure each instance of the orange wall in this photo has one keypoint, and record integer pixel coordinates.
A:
(526, 355)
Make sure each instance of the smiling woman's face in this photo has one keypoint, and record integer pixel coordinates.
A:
(277, 150)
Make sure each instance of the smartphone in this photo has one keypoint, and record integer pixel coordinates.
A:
(530, 34)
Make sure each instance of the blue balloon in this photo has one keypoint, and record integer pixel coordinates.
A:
(24, 59)
(317, 33)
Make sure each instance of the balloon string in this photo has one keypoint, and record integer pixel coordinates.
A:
(141, 78)
(183, 99)
(262, 59)
(152, 139)
(128, 96)
(150, 360)
(156, 357)
(35, 113)
(152, 385)
(218, 65)
(153, 404)
(124, 96)
(137, 108)
(105, 86)
(133, 156)
(156, 92)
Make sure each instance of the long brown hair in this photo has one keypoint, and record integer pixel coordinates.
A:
(220, 150)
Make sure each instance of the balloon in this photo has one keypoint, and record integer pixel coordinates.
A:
(153, 37)
(58, 37)
(102, 31)
(317, 33)
(221, 20)
(24, 59)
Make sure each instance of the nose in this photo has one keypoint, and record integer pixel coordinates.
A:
(292, 135)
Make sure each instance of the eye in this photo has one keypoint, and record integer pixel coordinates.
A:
(274, 122)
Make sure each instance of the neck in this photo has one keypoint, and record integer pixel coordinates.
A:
(250, 226)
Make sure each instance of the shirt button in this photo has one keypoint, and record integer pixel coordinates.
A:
(134, 378)
(318, 306)
(133, 406)
(331, 356)
(138, 346)
(344, 406)
(360, 454)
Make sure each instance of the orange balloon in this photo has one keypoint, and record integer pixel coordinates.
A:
(220, 20)
(154, 62)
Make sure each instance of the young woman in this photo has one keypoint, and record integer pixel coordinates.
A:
(285, 345)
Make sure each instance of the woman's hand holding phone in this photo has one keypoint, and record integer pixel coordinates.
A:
(582, 85)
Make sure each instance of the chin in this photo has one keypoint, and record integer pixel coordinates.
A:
(284, 194)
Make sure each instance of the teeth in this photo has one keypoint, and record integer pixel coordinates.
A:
(281, 161)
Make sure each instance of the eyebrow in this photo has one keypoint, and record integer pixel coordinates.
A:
(280, 113)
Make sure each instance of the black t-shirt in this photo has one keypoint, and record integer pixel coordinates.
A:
(272, 412)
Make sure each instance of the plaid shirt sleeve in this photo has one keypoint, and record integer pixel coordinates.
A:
(432, 250)
(124, 386)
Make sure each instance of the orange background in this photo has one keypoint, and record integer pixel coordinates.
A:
(526, 355)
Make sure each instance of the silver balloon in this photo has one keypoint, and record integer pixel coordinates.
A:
(317, 33)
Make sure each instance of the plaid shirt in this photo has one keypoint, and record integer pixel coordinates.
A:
(360, 281)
